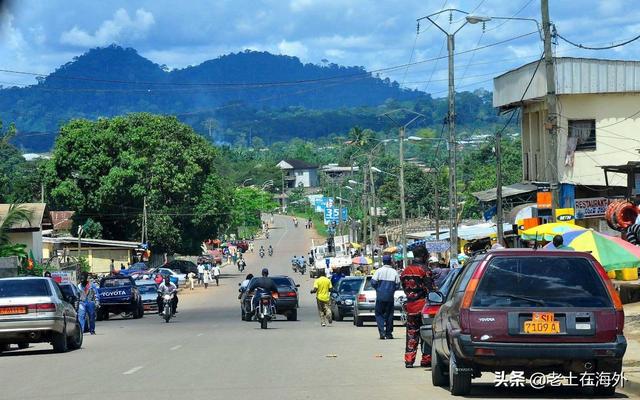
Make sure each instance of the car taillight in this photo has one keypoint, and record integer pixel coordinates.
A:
(275, 295)
(615, 297)
(362, 298)
(430, 311)
(467, 299)
(44, 307)
(288, 294)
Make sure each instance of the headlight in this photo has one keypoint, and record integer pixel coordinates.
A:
(167, 297)
(348, 302)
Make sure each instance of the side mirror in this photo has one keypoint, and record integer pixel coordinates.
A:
(297, 285)
(435, 297)
(239, 283)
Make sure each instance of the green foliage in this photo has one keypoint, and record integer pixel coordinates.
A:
(16, 214)
(92, 229)
(11, 250)
(104, 169)
(248, 204)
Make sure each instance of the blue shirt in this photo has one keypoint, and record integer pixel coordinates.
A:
(386, 281)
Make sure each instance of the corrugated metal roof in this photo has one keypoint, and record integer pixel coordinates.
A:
(573, 76)
(507, 191)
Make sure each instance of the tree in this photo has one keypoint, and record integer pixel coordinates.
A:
(16, 214)
(248, 203)
(105, 169)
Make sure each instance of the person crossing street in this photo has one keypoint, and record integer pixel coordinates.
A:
(322, 289)
(88, 303)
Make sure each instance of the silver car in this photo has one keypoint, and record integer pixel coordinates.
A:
(34, 310)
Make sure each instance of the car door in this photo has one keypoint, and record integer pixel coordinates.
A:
(68, 310)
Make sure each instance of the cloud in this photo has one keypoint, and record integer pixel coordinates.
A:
(293, 49)
(300, 5)
(111, 30)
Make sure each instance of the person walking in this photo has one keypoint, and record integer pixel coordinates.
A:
(200, 272)
(216, 274)
(322, 289)
(88, 303)
(386, 281)
(206, 277)
(191, 277)
(416, 281)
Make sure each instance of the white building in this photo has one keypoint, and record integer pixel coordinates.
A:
(299, 173)
(29, 232)
(599, 122)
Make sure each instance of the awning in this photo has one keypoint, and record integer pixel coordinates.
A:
(507, 191)
(479, 231)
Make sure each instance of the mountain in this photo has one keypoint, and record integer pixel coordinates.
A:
(271, 96)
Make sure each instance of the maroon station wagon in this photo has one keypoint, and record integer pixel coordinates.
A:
(528, 310)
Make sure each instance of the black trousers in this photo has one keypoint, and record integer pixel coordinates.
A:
(384, 317)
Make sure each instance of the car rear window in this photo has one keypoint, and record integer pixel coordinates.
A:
(147, 288)
(541, 282)
(117, 283)
(24, 288)
(367, 284)
(349, 286)
(282, 281)
(67, 290)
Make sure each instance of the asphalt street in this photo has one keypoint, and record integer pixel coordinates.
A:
(207, 352)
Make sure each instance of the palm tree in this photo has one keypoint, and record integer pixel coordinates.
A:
(15, 216)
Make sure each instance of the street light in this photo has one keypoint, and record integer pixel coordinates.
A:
(453, 188)
(476, 19)
(403, 210)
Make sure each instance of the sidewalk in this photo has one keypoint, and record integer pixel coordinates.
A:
(631, 363)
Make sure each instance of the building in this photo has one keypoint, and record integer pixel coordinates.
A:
(599, 105)
(62, 222)
(98, 252)
(297, 173)
(335, 171)
(29, 232)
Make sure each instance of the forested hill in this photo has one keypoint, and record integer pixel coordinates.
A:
(271, 96)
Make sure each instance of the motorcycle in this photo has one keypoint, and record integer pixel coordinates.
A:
(295, 223)
(302, 268)
(167, 313)
(261, 253)
(270, 251)
(266, 310)
(241, 265)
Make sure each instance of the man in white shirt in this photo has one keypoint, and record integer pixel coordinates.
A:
(200, 272)
(216, 273)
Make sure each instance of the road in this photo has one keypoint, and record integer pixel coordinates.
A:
(207, 352)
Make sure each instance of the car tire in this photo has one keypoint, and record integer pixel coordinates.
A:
(59, 341)
(438, 375)
(610, 368)
(337, 316)
(243, 315)
(75, 341)
(357, 321)
(459, 382)
(292, 315)
(4, 347)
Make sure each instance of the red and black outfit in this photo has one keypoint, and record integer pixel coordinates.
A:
(416, 282)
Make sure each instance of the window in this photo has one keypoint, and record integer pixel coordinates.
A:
(584, 132)
(541, 282)
(24, 288)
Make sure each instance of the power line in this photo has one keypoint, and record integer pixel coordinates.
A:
(613, 46)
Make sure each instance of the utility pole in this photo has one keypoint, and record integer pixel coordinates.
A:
(403, 211)
(453, 187)
(552, 107)
(437, 205)
(144, 220)
(365, 209)
(283, 191)
(374, 218)
(499, 216)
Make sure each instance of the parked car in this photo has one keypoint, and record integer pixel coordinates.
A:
(72, 293)
(430, 310)
(119, 295)
(34, 310)
(528, 310)
(148, 293)
(286, 302)
(364, 307)
(182, 266)
(343, 297)
(136, 268)
(175, 277)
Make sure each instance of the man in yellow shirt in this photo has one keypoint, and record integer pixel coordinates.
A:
(322, 289)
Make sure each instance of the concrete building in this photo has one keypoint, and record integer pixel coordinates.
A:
(98, 252)
(599, 123)
(298, 173)
(29, 232)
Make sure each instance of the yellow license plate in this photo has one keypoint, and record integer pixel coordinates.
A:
(13, 310)
(542, 323)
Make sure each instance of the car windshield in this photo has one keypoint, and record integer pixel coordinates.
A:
(67, 290)
(147, 288)
(24, 288)
(349, 286)
(541, 282)
(116, 282)
(448, 281)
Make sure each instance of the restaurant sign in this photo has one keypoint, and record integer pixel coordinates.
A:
(593, 207)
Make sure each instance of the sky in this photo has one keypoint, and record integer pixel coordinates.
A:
(38, 35)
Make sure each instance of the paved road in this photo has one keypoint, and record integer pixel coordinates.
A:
(207, 352)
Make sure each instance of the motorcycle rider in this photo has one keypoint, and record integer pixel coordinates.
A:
(261, 251)
(262, 285)
(241, 264)
(167, 287)
(270, 250)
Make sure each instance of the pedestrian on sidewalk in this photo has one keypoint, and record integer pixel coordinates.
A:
(216, 274)
(322, 289)
(417, 281)
(88, 303)
(200, 272)
(386, 281)
(191, 277)
(206, 277)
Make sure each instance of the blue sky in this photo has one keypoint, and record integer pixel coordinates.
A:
(38, 36)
